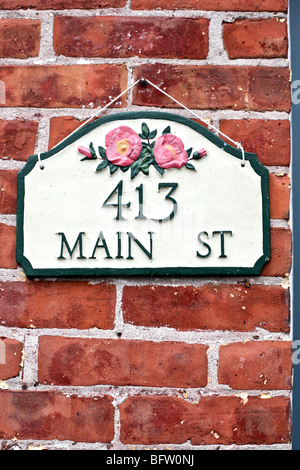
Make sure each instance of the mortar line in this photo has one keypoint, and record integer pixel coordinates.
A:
(137, 61)
(43, 135)
(152, 335)
(175, 281)
(83, 113)
(210, 14)
(119, 322)
(27, 444)
(121, 393)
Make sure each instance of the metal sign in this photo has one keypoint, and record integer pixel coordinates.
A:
(144, 193)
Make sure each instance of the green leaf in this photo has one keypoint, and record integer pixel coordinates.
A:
(113, 168)
(124, 168)
(135, 168)
(145, 165)
(189, 166)
(158, 168)
(152, 134)
(102, 166)
(92, 150)
(167, 130)
(149, 160)
(189, 151)
(145, 130)
(102, 152)
(134, 171)
(145, 170)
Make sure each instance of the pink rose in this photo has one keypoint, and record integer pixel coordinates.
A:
(169, 152)
(123, 146)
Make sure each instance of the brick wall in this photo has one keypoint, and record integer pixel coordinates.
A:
(167, 363)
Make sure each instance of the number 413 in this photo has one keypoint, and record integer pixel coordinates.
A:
(118, 190)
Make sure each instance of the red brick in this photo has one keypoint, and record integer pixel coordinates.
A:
(209, 307)
(213, 420)
(269, 139)
(82, 361)
(52, 415)
(281, 253)
(8, 247)
(60, 4)
(63, 85)
(118, 36)
(256, 365)
(62, 127)
(252, 39)
(225, 5)
(215, 87)
(8, 191)
(10, 358)
(269, 89)
(280, 189)
(17, 139)
(60, 304)
(19, 38)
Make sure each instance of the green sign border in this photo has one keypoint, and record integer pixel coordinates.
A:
(167, 271)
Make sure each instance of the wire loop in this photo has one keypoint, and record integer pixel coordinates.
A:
(40, 162)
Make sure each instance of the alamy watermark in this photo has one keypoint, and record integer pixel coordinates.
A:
(296, 92)
(296, 353)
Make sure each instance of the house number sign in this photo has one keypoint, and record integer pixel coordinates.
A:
(144, 193)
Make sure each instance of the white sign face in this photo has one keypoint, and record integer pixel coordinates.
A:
(141, 194)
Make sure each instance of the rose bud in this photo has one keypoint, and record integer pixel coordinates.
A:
(85, 151)
(199, 154)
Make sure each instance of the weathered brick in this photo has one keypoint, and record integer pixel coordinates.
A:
(61, 127)
(11, 355)
(119, 36)
(281, 253)
(8, 247)
(280, 189)
(269, 139)
(209, 307)
(52, 415)
(19, 38)
(17, 139)
(213, 420)
(60, 4)
(256, 365)
(82, 361)
(60, 304)
(63, 85)
(269, 89)
(215, 87)
(8, 191)
(225, 5)
(252, 39)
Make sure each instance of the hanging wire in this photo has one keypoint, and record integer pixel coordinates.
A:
(99, 111)
(144, 82)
